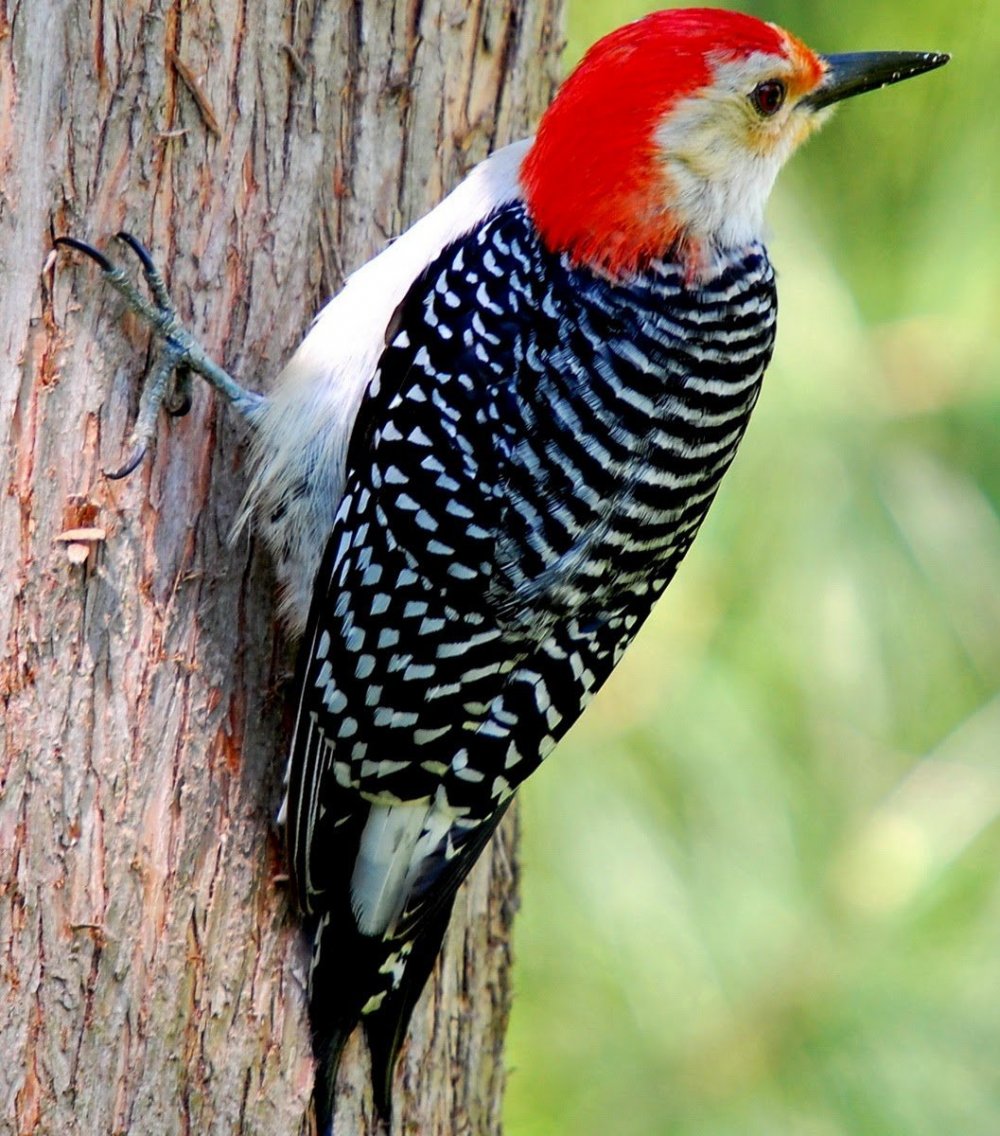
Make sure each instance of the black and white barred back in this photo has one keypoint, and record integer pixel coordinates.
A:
(529, 465)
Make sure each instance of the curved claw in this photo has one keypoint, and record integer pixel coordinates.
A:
(131, 464)
(140, 250)
(181, 353)
(87, 250)
(153, 276)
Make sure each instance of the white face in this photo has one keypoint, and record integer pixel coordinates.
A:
(721, 152)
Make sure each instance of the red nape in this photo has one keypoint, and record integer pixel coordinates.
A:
(592, 180)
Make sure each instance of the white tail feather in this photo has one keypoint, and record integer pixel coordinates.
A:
(396, 841)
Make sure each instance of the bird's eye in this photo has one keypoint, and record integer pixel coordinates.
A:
(768, 96)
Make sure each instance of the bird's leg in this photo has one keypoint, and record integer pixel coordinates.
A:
(181, 355)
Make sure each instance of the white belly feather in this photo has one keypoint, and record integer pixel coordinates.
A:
(315, 402)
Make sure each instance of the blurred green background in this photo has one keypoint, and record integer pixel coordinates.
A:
(761, 887)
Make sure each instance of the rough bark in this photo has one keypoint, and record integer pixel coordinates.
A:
(150, 968)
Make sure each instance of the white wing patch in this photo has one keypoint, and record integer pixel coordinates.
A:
(302, 432)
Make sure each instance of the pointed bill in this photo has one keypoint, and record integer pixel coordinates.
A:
(853, 74)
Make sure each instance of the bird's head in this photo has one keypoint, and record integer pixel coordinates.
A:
(671, 131)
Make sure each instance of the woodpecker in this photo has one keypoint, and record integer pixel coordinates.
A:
(484, 463)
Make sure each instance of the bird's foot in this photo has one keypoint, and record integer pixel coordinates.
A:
(182, 354)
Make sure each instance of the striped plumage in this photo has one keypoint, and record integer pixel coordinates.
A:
(505, 432)
(529, 464)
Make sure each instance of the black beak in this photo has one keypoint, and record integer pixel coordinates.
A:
(854, 74)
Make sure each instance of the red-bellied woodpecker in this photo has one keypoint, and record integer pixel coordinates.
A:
(486, 460)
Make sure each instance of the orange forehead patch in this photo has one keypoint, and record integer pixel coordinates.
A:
(807, 67)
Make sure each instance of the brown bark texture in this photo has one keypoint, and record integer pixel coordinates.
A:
(151, 972)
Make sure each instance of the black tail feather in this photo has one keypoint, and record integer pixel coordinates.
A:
(348, 971)
(385, 1028)
(327, 1050)
(351, 970)
(344, 975)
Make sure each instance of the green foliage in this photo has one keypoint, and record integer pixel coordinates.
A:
(761, 876)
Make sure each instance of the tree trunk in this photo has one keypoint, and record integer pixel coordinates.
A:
(151, 974)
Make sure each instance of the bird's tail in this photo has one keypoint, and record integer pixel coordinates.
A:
(358, 978)
(336, 998)
(377, 979)
(327, 1050)
(386, 1026)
